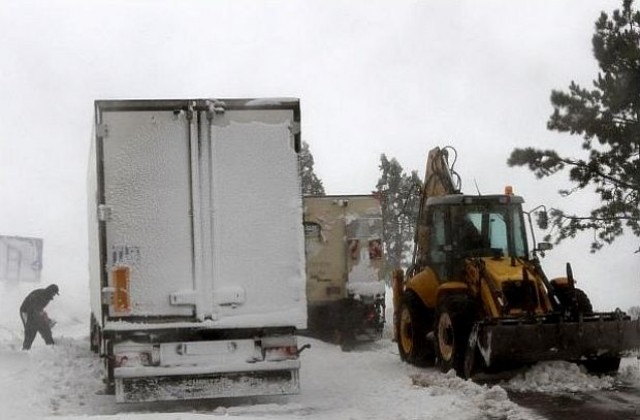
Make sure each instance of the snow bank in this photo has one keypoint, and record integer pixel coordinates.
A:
(64, 382)
(629, 372)
(559, 376)
(492, 401)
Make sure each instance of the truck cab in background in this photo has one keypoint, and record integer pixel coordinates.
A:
(344, 251)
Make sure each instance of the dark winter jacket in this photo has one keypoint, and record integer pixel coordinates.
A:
(36, 301)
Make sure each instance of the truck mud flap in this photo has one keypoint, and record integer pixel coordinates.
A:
(184, 387)
(507, 344)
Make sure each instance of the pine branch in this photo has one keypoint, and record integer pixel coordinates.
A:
(599, 173)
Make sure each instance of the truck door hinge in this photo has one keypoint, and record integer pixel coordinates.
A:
(106, 295)
(229, 296)
(183, 297)
(104, 213)
(214, 107)
(102, 130)
(190, 109)
(294, 128)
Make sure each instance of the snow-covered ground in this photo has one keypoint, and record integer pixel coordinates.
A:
(64, 382)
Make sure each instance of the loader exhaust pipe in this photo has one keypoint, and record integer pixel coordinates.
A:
(570, 279)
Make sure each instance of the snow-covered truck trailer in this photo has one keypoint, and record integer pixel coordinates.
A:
(345, 287)
(197, 267)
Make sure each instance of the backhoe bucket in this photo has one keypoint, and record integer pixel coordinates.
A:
(599, 335)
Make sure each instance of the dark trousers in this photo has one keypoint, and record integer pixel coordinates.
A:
(35, 323)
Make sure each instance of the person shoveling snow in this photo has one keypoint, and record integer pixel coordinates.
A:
(34, 318)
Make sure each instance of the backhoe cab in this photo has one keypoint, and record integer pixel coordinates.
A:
(477, 299)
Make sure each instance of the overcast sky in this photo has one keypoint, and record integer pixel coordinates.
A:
(394, 77)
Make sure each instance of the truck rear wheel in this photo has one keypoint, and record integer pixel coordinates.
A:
(415, 322)
(94, 335)
(454, 319)
(108, 377)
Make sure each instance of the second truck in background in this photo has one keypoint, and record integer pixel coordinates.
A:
(345, 289)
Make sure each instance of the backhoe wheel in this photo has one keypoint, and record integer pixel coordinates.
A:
(600, 365)
(414, 323)
(582, 302)
(473, 361)
(454, 319)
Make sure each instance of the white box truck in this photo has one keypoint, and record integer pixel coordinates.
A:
(345, 285)
(20, 259)
(197, 266)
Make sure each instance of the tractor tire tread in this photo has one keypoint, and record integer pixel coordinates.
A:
(422, 352)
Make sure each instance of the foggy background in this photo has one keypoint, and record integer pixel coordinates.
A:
(373, 77)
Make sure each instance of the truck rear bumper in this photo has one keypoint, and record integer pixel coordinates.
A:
(190, 369)
(277, 378)
(522, 343)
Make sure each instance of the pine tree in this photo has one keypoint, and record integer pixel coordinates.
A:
(607, 117)
(311, 184)
(400, 197)
(634, 312)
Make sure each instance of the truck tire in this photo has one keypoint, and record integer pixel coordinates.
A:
(414, 323)
(108, 377)
(454, 319)
(94, 337)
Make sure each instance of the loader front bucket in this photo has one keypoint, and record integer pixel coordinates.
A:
(518, 343)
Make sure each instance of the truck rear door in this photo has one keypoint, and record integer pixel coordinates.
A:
(254, 258)
(200, 210)
(146, 195)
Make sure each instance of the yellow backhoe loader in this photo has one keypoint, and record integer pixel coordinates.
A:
(476, 298)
